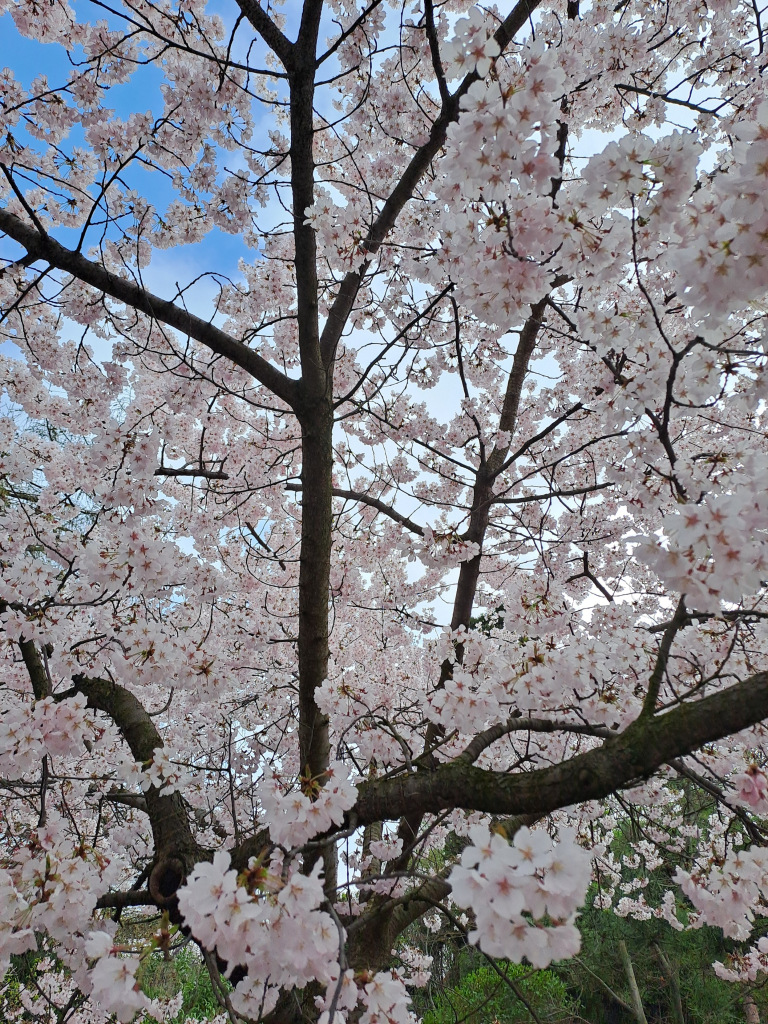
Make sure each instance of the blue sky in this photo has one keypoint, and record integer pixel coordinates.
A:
(217, 250)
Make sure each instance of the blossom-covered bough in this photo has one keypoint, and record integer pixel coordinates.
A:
(424, 524)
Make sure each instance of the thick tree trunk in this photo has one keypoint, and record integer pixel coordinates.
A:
(314, 580)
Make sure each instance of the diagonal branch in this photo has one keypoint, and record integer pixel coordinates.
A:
(756, 832)
(176, 851)
(586, 573)
(367, 499)
(634, 754)
(44, 247)
(654, 683)
(348, 31)
(268, 30)
(406, 186)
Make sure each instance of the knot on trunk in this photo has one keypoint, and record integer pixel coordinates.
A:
(166, 878)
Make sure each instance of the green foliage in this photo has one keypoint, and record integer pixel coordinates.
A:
(488, 620)
(706, 999)
(21, 975)
(482, 997)
(162, 979)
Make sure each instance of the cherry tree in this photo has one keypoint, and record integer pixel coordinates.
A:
(369, 580)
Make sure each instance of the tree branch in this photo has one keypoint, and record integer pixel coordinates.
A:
(44, 247)
(176, 851)
(629, 756)
(572, 493)
(488, 737)
(406, 186)
(756, 833)
(136, 800)
(654, 683)
(207, 474)
(35, 667)
(268, 30)
(366, 499)
(118, 900)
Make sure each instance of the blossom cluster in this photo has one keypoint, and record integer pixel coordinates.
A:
(727, 895)
(114, 986)
(165, 774)
(512, 887)
(445, 549)
(472, 48)
(29, 732)
(50, 887)
(386, 1001)
(722, 256)
(417, 966)
(278, 931)
(751, 788)
(387, 848)
(491, 684)
(274, 927)
(341, 232)
(500, 237)
(293, 817)
(716, 549)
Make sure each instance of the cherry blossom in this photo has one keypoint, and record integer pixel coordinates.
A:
(512, 886)
(382, 461)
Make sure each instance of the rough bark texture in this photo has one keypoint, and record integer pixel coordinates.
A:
(176, 851)
(633, 755)
(622, 760)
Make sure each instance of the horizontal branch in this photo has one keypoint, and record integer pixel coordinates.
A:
(572, 493)
(729, 616)
(207, 474)
(136, 800)
(367, 499)
(488, 737)
(622, 87)
(44, 247)
(118, 900)
(623, 760)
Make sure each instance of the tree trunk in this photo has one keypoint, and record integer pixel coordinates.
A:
(314, 580)
(751, 1012)
(634, 991)
(674, 985)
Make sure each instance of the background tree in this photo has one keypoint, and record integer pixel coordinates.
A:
(431, 365)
